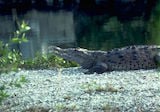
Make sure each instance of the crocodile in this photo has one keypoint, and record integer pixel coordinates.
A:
(126, 58)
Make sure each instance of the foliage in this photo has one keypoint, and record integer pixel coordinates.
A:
(47, 62)
(3, 94)
(59, 107)
(18, 82)
(20, 34)
(11, 58)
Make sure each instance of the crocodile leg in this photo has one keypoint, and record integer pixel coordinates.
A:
(98, 68)
(157, 59)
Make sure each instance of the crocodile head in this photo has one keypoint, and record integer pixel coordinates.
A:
(81, 56)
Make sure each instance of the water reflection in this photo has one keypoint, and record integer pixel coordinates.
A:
(75, 29)
(112, 33)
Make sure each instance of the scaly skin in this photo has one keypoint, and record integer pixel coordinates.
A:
(126, 58)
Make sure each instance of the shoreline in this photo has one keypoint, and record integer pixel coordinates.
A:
(72, 90)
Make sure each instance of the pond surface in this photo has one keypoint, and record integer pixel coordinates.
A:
(76, 29)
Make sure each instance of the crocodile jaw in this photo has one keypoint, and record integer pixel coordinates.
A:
(78, 55)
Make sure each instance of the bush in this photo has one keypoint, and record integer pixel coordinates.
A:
(47, 62)
(11, 58)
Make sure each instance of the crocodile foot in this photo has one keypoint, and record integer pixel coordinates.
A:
(157, 58)
(99, 68)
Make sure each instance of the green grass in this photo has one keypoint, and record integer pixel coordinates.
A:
(47, 62)
(58, 108)
(18, 82)
(11, 59)
(3, 94)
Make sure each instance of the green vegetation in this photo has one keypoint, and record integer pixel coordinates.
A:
(47, 62)
(18, 82)
(20, 33)
(59, 107)
(3, 94)
(11, 59)
(68, 108)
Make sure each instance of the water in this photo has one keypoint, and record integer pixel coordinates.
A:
(76, 29)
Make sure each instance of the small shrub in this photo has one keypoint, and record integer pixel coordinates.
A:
(11, 58)
(18, 82)
(3, 94)
(23, 79)
(47, 62)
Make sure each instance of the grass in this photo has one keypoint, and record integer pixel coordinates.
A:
(39, 62)
(93, 86)
(58, 108)
(47, 62)
(67, 108)
(11, 59)
(17, 83)
(3, 94)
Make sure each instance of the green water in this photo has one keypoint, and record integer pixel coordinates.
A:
(104, 33)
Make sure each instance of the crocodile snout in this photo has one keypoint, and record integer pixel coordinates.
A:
(53, 49)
